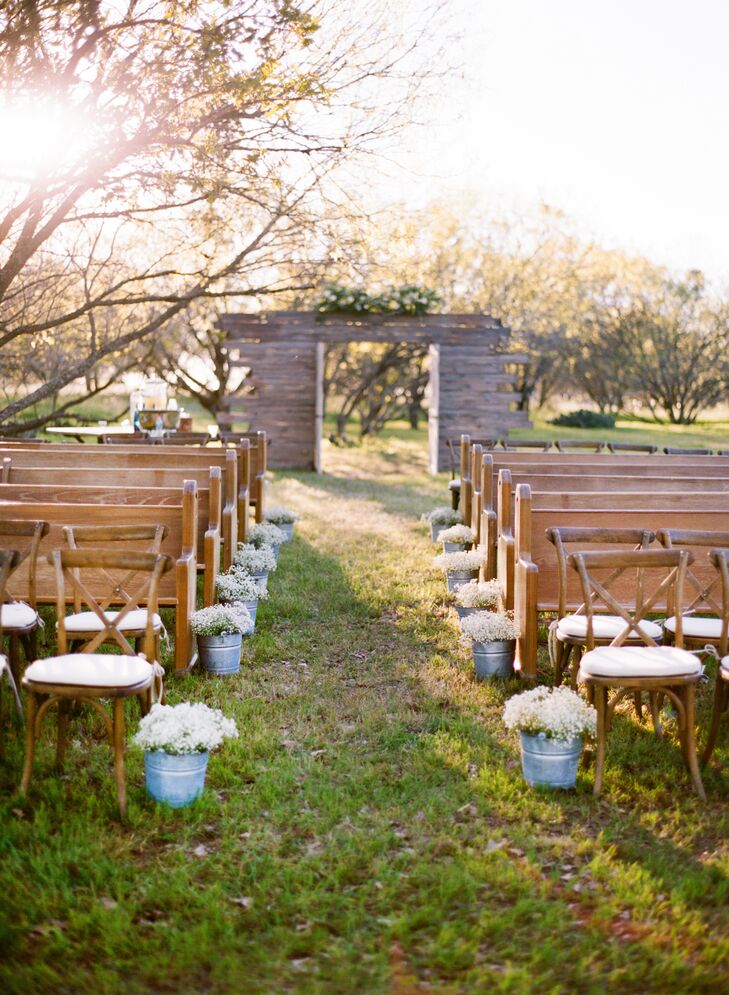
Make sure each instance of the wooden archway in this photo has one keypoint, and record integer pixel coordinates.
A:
(470, 389)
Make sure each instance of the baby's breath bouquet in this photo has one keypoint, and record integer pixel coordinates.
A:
(232, 587)
(559, 713)
(443, 516)
(488, 627)
(266, 534)
(459, 562)
(189, 727)
(281, 516)
(475, 594)
(254, 561)
(221, 620)
(460, 535)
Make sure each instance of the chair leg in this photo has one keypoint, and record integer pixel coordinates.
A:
(601, 709)
(118, 747)
(689, 701)
(653, 700)
(63, 710)
(721, 699)
(29, 742)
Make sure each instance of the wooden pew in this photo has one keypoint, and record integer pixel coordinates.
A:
(188, 461)
(177, 588)
(208, 517)
(536, 582)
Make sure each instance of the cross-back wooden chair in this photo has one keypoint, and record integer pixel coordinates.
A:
(627, 669)
(568, 633)
(720, 560)
(686, 451)
(8, 560)
(631, 447)
(82, 626)
(564, 445)
(702, 606)
(89, 675)
(19, 617)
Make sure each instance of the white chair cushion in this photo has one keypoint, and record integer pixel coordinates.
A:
(92, 670)
(725, 667)
(90, 621)
(603, 627)
(696, 627)
(17, 615)
(455, 485)
(639, 661)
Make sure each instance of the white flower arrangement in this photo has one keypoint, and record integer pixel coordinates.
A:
(475, 594)
(488, 627)
(238, 586)
(221, 620)
(281, 516)
(189, 727)
(559, 713)
(254, 561)
(443, 516)
(458, 533)
(266, 534)
(459, 562)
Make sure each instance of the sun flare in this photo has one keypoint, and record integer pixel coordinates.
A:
(36, 139)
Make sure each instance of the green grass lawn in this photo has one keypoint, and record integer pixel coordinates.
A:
(370, 831)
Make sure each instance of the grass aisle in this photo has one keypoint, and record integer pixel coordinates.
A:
(370, 831)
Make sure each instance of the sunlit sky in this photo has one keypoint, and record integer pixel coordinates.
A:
(616, 112)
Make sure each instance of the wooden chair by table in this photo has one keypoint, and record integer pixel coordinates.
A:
(677, 451)
(19, 619)
(565, 445)
(720, 561)
(631, 447)
(663, 671)
(568, 633)
(82, 626)
(90, 676)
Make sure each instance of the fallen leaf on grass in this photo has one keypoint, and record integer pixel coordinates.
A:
(108, 903)
(18, 813)
(45, 928)
(200, 850)
(493, 845)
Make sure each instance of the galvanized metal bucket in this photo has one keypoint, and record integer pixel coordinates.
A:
(494, 659)
(252, 607)
(456, 547)
(549, 762)
(177, 780)
(220, 654)
(288, 529)
(456, 579)
(262, 581)
(463, 612)
(435, 530)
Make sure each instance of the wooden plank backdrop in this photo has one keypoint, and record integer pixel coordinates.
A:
(471, 388)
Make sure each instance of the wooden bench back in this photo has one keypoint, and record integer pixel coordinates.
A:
(136, 467)
(209, 517)
(178, 587)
